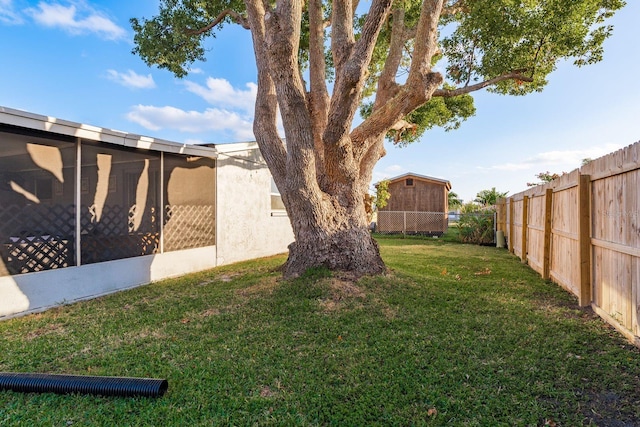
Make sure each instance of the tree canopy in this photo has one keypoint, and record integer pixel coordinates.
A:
(404, 65)
(489, 197)
(545, 177)
(508, 46)
(454, 201)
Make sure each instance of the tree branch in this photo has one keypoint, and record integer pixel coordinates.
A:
(350, 81)
(407, 99)
(282, 43)
(514, 75)
(418, 89)
(265, 123)
(456, 7)
(342, 37)
(235, 16)
(387, 86)
(318, 98)
(347, 91)
(425, 41)
(327, 22)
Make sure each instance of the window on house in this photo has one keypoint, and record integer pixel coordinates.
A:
(276, 198)
(409, 182)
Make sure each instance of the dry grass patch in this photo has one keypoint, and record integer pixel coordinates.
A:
(265, 286)
(342, 294)
(210, 312)
(50, 329)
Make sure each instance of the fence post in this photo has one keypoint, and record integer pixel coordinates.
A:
(510, 221)
(546, 260)
(501, 215)
(525, 225)
(584, 239)
(404, 224)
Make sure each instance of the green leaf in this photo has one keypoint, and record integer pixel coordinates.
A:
(171, 40)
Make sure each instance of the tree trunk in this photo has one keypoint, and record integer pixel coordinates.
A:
(338, 240)
(321, 181)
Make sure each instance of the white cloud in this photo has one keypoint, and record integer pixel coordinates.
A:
(230, 116)
(219, 92)
(77, 18)
(212, 119)
(8, 14)
(570, 159)
(388, 172)
(196, 71)
(131, 79)
(394, 170)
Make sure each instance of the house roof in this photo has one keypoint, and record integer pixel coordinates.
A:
(231, 147)
(23, 119)
(420, 177)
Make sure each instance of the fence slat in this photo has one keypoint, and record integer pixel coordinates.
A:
(584, 240)
(511, 225)
(525, 217)
(546, 257)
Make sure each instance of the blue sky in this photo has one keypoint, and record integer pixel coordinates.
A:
(72, 60)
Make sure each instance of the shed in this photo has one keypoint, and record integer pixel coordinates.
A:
(418, 204)
(85, 211)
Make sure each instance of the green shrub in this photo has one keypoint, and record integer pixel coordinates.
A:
(476, 228)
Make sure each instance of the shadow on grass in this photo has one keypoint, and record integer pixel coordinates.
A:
(453, 335)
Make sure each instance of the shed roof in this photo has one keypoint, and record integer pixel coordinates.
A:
(23, 119)
(420, 177)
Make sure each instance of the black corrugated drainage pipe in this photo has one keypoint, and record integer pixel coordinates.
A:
(67, 384)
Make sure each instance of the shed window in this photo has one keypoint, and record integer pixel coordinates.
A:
(409, 182)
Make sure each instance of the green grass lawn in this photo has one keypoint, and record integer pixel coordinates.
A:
(453, 335)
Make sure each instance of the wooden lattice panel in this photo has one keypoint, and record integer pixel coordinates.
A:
(412, 222)
(110, 238)
(45, 254)
(39, 237)
(390, 222)
(189, 226)
(36, 238)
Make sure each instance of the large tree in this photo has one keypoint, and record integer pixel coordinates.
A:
(403, 65)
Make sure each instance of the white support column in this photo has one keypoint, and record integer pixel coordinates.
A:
(162, 211)
(78, 200)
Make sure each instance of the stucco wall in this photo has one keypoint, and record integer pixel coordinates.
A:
(247, 227)
(33, 292)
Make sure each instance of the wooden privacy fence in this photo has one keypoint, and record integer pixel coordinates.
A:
(582, 231)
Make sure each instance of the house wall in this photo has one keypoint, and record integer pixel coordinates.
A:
(246, 222)
(248, 226)
(35, 292)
